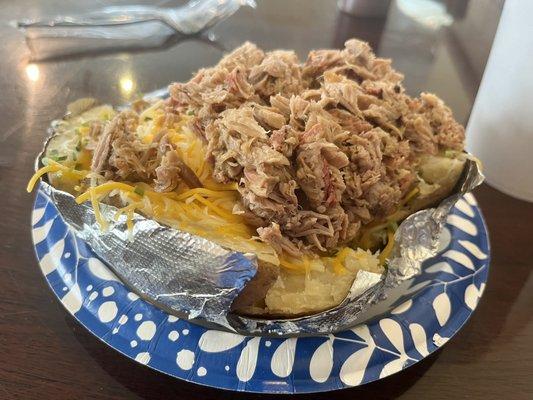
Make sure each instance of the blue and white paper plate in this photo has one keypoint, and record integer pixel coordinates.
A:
(445, 296)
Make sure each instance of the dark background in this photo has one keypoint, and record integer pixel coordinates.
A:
(45, 353)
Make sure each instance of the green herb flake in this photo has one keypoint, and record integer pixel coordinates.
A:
(450, 153)
(59, 158)
(393, 226)
(139, 190)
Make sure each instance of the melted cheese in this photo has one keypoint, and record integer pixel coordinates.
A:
(385, 254)
(96, 207)
(205, 211)
(51, 168)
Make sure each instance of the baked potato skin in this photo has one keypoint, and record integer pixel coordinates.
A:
(251, 300)
(277, 294)
(440, 175)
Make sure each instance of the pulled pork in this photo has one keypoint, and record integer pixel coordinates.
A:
(317, 148)
(120, 155)
(242, 152)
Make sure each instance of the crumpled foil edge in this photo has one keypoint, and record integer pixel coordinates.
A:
(416, 241)
(190, 276)
(197, 279)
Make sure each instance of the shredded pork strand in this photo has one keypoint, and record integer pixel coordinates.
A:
(318, 149)
(120, 155)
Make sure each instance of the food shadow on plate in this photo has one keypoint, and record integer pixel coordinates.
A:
(150, 384)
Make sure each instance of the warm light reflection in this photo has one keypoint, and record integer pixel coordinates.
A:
(430, 13)
(32, 72)
(126, 85)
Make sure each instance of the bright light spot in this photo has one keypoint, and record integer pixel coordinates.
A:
(430, 13)
(126, 85)
(32, 72)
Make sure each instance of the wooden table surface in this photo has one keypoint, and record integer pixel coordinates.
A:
(46, 354)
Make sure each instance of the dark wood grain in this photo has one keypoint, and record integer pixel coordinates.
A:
(46, 354)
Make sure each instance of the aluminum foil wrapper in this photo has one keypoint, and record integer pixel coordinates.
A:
(197, 279)
(184, 273)
(416, 240)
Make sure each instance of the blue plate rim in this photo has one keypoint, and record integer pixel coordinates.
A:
(483, 229)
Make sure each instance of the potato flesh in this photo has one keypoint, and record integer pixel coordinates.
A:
(292, 294)
(298, 294)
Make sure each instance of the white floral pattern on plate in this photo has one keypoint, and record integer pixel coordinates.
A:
(441, 300)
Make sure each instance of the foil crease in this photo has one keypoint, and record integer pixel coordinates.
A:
(185, 274)
(197, 279)
(416, 240)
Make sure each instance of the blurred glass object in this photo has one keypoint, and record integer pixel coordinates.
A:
(349, 26)
(500, 130)
(429, 13)
(123, 28)
(364, 8)
(411, 42)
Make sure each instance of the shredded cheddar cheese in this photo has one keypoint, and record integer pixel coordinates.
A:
(338, 261)
(295, 264)
(203, 191)
(38, 174)
(384, 255)
(105, 188)
(206, 211)
(53, 167)
(96, 207)
(411, 195)
(224, 214)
